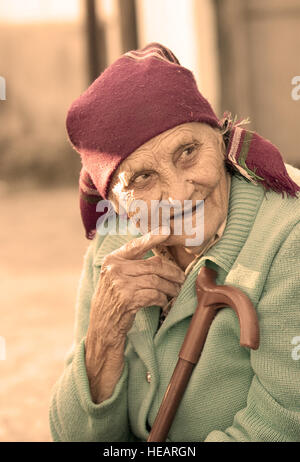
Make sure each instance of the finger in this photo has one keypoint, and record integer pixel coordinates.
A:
(148, 297)
(152, 281)
(136, 248)
(153, 265)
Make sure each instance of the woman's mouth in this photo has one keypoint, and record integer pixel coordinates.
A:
(187, 211)
(173, 220)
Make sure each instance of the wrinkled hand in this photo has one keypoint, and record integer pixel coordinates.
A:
(127, 283)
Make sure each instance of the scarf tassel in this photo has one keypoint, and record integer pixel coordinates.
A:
(280, 183)
(256, 159)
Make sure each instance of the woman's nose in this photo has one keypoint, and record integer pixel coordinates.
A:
(178, 191)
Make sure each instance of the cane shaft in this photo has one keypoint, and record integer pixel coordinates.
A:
(188, 357)
(171, 400)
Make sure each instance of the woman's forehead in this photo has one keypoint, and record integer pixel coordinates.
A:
(167, 142)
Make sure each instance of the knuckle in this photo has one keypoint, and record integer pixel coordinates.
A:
(109, 265)
(163, 299)
(152, 296)
(153, 293)
(154, 279)
(108, 270)
(114, 284)
(139, 301)
(145, 297)
(107, 259)
(157, 260)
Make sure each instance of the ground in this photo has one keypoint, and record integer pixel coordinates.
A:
(41, 255)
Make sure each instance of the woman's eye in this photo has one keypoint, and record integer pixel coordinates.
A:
(141, 178)
(188, 151)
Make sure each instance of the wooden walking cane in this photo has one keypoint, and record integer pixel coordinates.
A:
(211, 297)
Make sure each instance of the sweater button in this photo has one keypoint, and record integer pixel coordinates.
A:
(148, 377)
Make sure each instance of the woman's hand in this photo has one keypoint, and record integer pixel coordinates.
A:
(127, 283)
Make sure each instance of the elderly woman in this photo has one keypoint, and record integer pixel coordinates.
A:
(145, 133)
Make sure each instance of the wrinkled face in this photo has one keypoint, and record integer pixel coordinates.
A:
(183, 163)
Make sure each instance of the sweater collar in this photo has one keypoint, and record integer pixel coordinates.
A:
(244, 203)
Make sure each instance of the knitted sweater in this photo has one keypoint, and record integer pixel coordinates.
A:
(234, 393)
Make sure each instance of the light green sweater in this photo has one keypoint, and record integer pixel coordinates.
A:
(234, 394)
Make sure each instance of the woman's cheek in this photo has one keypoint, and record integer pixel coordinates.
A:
(209, 178)
(139, 212)
(212, 169)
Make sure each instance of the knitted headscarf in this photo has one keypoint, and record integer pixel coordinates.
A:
(142, 94)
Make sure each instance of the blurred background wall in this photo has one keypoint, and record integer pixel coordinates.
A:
(42, 61)
(244, 56)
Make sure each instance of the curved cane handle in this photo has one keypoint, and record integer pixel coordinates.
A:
(211, 294)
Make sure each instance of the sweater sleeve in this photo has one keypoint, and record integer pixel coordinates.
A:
(272, 413)
(73, 416)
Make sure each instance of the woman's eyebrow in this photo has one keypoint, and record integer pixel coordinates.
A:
(183, 144)
(182, 141)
